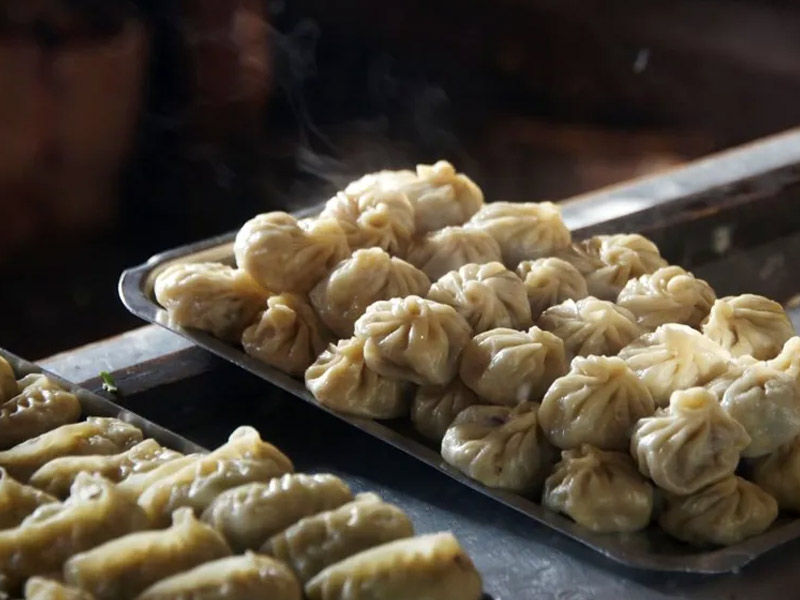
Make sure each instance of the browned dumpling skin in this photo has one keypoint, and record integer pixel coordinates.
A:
(40, 406)
(288, 335)
(8, 382)
(448, 249)
(550, 281)
(689, 445)
(505, 366)
(599, 490)
(95, 512)
(487, 296)
(434, 407)
(724, 513)
(122, 568)
(778, 473)
(40, 588)
(211, 297)
(283, 254)
(367, 276)
(341, 380)
(414, 339)
(17, 500)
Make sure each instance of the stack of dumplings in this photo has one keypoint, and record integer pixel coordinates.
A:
(505, 342)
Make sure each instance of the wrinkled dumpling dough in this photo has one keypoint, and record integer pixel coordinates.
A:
(524, 230)
(39, 588)
(122, 568)
(8, 382)
(341, 380)
(779, 474)
(598, 402)
(499, 446)
(447, 249)
(288, 335)
(211, 297)
(599, 490)
(95, 512)
(550, 281)
(749, 324)
(723, 513)
(504, 366)
(766, 402)
(669, 295)
(40, 406)
(283, 254)
(429, 567)
(487, 296)
(135, 485)
(250, 514)
(320, 540)
(245, 577)
(689, 445)
(736, 367)
(56, 476)
(788, 360)
(375, 218)
(413, 338)
(591, 326)
(17, 500)
(95, 435)
(674, 357)
(434, 407)
(366, 277)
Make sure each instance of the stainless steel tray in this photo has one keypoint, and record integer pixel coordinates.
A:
(701, 195)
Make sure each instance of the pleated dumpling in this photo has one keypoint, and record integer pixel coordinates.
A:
(434, 407)
(8, 382)
(674, 357)
(524, 230)
(286, 255)
(414, 339)
(668, 295)
(341, 380)
(591, 326)
(374, 218)
(550, 281)
(599, 490)
(723, 513)
(41, 588)
(288, 335)
(211, 297)
(17, 501)
(689, 445)
(447, 249)
(499, 446)
(367, 276)
(598, 402)
(749, 325)
(788, 359)
(487, 296)
(505, 366)
(736, 367)
(779, 474)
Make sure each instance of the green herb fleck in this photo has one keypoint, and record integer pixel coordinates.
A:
(109, 385)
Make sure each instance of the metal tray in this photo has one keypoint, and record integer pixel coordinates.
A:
(694, 199)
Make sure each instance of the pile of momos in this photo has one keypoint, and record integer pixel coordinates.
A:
(591, 374)
(91, 510)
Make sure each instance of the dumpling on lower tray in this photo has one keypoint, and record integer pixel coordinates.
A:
(17, 500)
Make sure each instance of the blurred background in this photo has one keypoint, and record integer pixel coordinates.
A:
(129, 127)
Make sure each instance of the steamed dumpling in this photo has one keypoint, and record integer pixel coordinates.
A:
(598, 402)
(487, 296)
(689, 445)
(766, 403)
(788, 360)
(736, 367)
(674, 357)
(749, 324)
(211, 297)
(366, 277)
(447, 249)
(669, 295)
(374, 218)
(434, 407)
(524, 230)
(591, 326)
(341, 380)
(17, 500)
(288, 335)
(414, 339)
(778, 473)
(723, 513)
(498, 446)
(599, 490)
(41, 588)
(505, 366)
(550, 281)
(286, 255)
(8, 383)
